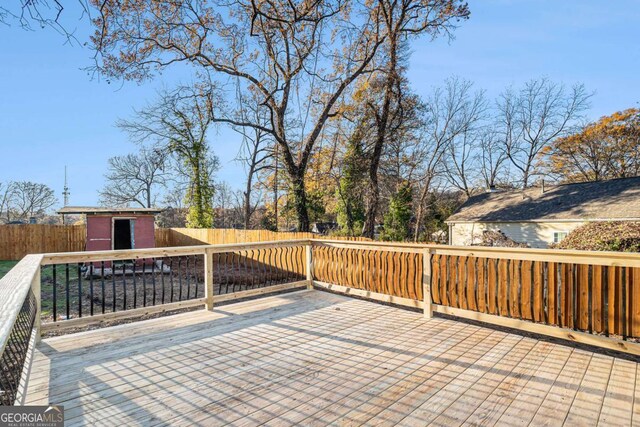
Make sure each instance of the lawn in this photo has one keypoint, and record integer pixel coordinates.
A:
(5, 266)
(47, 284)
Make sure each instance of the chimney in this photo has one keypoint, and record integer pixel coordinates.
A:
(542, 186)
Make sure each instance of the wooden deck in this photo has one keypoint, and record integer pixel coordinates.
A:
(313, 358)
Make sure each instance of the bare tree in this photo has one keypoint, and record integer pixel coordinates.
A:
(255, 154)
(451, 110)
(31, 199)
(402, 157)
(272, 180)
(7, 195)
(491, 158)
(401, 21)
(174, 213)
(460, 163)
(536, 115)
(134, 178)
(296, 56)
(30, 14)
(177, 124)
(229, 204)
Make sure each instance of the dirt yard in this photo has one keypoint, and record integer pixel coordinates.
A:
(126, 290)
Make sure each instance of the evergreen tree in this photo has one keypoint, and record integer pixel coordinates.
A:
(351, 207)
(397, 220)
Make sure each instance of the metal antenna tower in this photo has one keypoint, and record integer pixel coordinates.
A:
(65, 192)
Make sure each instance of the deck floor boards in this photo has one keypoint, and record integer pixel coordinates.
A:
(312, 358)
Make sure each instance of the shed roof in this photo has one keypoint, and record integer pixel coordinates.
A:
(91, 210)
(615, 199)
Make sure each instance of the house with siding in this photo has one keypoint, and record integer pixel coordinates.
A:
(540, 216)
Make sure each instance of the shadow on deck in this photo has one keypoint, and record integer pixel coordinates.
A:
(315, 358)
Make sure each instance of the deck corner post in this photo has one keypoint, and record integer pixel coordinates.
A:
(426, 283)
(309, 266)
(208, 278)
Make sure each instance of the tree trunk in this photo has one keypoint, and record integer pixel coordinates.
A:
(149, 195)
(197, 195)
(300, 202)
(368, 229)
(198, 216)
(247, 200)
(247, 210)
(420, 213)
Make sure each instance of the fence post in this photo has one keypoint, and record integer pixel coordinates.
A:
(426, 283)
(309, 258)
(208, 278)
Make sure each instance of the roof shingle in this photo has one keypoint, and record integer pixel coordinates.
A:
(614, 199)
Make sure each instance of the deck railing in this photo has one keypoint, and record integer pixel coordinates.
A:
(97, 285)
(88, 287)
(384, 272)
(588, 297)
(19, 322)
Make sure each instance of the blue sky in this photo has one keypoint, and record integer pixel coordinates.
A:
(52, 113)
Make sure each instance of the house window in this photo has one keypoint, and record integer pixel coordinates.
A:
(559, 235)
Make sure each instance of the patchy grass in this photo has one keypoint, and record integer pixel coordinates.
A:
(5, 266)
(46, 283)
(81, 292)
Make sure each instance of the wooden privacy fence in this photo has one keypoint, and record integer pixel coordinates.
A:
(588, 297)
(17, 241)
(169, 237)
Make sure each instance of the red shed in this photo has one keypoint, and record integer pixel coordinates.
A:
(117, 228)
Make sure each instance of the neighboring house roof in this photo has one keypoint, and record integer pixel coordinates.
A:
(614, 199)
(89, 210)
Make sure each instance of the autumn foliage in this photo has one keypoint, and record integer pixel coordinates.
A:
(608, 148)
(604, 236)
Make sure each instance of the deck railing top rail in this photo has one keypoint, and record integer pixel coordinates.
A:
(129, 254)
(19, 314)
(14, 288)
(628, 259)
